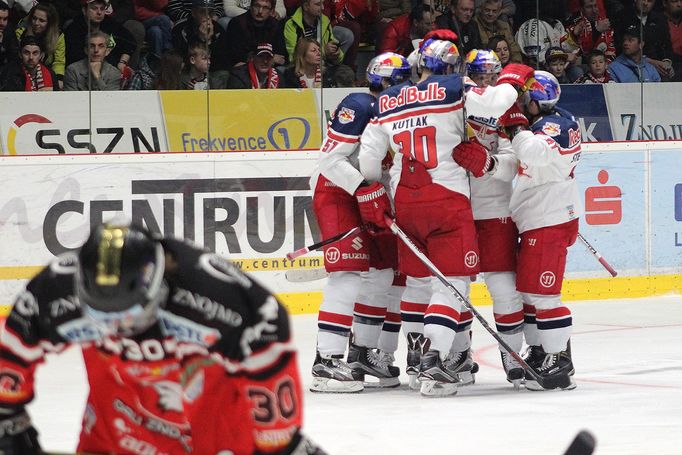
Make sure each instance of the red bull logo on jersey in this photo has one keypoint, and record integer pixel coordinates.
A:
(410, 95)
(551, 129)
(346, 115)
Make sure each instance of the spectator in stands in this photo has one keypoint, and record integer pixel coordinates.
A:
(246, 31)
(199, 27)
(632, 65)
(500, 45)
(655, 31)
(121, 44)
(343, 77)
(93, 72)
(235, 8)
(401, 33)
(392, 9)
(490, 24)
(459, 20)
(9, 48)
(556, 60)
(43, 23)
(305, 69)
(144, 78)
(28, 74)
(673, 11)
(194, 74)
(309, 22)
(258, 72)
(597, 65)
(156, 24)
(589, 30)
(507, 10)
(358, 16)
(123, 12)
(182, 9)
(171, 67)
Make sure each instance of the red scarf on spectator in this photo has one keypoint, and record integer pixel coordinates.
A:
(316, 83)
(271, 82)
(599, 80)
(42, 79)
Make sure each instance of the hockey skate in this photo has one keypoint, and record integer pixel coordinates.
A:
(333, 375)
(442, 377)
(417, 346)
(466, 376)
(376, 363)
(513, 369)
(553, 365)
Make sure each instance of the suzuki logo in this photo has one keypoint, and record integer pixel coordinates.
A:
(357, 243)
(332, 255)
(471, 259)
(547, 279)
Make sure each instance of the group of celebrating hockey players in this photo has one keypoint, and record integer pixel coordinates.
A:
(477, 169)
(185, 354)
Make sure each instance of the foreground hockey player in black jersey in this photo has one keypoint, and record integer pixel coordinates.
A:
(184, 353)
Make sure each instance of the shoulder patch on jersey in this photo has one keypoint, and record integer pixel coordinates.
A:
(551, 129)
(346, 115)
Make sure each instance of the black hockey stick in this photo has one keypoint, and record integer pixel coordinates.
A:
(598, 256)
(316, 246)
(562, 381)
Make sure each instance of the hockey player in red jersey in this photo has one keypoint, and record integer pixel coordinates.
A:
(361, 267)
(545, 206)
(497, 233)
(425, 124)
(184, 353)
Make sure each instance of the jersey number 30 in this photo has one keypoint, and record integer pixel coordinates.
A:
(419, 144)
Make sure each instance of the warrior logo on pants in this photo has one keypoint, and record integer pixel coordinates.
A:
(471, 259)
(547, 279)
(332, 255)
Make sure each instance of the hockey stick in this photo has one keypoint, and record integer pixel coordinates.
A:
(316, 246)
(562, 381)
(598, 256)
(304, 275)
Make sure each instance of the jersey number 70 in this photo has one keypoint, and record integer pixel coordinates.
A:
(419, 144)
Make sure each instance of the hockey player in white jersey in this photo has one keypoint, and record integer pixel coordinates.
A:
(497, 233)
(545, 206)
(424, 123)
(359, 290)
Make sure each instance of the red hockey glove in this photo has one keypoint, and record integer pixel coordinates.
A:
(373, 203)
(473, 157)
(512, 122)
(520, 76)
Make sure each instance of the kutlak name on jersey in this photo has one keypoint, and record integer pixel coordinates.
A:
(260, 215)
(411, 95)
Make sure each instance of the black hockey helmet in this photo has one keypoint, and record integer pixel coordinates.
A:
(119, 279)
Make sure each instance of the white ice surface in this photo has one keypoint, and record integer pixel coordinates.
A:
(628, 358)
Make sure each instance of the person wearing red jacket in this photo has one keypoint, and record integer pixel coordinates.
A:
(358, 16)
(591, 29)
(402, 31)
(156, 24)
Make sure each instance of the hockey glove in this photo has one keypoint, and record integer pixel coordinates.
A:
(520, 76)
(373, 203)
(473, 157)
(17, 435)
(512, 122)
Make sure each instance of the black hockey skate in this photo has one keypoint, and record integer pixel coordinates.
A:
(378, 364)
(442, 377)
(417, 346)
(513, 369)
(333, 375)
(467, 376)
(554, 367)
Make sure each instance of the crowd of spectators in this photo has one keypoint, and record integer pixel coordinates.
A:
(219, 44)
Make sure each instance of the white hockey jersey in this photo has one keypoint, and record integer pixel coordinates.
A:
(491, 193)
(546, 193)
(425, 121)
(338, 160)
